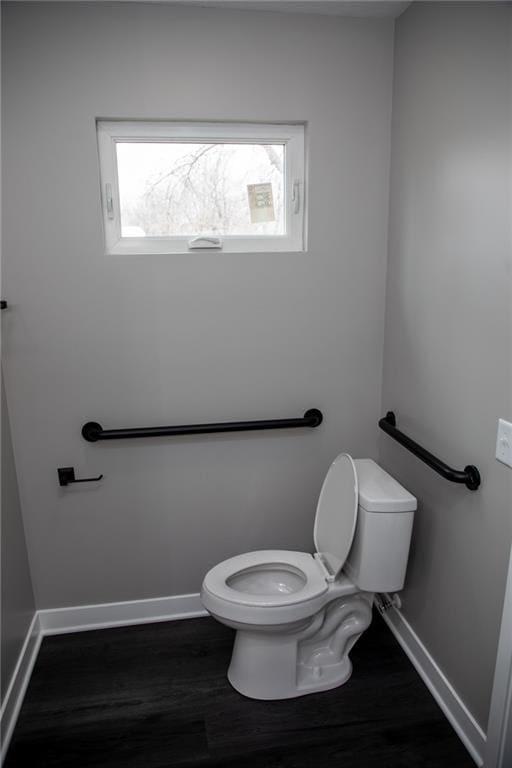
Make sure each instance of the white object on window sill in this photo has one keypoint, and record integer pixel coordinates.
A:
(204, 242)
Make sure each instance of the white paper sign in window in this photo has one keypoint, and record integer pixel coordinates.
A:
(261, 202)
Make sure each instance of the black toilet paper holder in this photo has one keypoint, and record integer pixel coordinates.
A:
(67, 477)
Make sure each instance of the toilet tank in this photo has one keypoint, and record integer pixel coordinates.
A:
(377, 560)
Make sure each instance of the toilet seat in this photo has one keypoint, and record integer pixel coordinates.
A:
(273, 586)
(267, 608)
(301, 564)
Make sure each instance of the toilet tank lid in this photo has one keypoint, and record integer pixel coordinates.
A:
(379, 492)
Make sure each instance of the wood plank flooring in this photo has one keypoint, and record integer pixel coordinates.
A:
(156, 696)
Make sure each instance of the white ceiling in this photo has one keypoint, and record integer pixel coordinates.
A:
(362, 8)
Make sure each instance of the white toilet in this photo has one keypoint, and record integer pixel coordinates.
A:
(298, 615)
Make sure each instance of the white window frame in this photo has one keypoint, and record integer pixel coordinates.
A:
(292, 136)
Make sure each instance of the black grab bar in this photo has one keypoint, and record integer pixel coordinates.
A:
(92, 431)
(470, 477)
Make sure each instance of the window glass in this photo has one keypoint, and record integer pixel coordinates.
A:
(212, 189)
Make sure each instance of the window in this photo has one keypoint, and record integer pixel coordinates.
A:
(180, 187)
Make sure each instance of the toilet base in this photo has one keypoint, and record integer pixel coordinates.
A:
(281, 665)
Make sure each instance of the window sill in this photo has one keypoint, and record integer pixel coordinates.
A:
(164, 246)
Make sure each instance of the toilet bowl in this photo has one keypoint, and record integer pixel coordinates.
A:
(297, 615)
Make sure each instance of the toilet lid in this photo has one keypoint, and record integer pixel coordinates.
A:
(336, 513)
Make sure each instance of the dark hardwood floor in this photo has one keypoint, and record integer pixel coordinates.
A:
(156, 696)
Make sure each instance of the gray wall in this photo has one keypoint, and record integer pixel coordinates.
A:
(448, 324)
(152, 340)
(17, 596)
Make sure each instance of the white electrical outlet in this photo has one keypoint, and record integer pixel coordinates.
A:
(504, 442)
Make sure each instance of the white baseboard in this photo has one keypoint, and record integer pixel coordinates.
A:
(56, 621)
(18, 685)
(81, 618)
(456, 712)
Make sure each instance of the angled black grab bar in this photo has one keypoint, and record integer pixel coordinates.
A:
(92, 431)
(470, 477)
